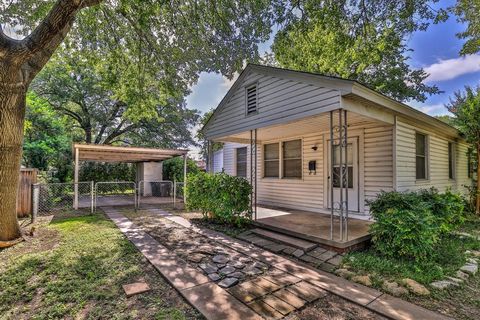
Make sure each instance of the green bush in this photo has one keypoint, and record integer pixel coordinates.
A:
(219, 196)
(406, 233)
(173, 168)
(410, 224)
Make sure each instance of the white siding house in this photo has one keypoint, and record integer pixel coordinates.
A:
(391, 146)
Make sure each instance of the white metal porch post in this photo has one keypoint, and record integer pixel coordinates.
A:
(184, 178)
(253, 172)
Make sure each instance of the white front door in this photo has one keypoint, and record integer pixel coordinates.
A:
(352, 163)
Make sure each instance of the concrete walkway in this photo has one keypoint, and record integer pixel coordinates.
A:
(215, 302)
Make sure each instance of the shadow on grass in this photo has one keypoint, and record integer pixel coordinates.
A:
(85, 271)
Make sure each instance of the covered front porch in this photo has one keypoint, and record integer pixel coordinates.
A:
(315, 227)
(303, 189)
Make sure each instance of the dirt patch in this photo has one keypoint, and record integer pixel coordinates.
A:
(333, 308)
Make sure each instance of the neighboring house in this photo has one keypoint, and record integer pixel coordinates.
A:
(391, 146)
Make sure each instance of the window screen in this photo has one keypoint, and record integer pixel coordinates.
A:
(292, 159)
(451, 160)
(242, 162)
(251, 99)
(469, 163)
(421, 155)
(271, 160)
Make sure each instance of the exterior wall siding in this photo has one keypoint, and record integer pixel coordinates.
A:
(279, 100)
(310, 192)
(437, 146)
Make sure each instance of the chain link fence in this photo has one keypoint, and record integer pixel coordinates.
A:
(178, 194)
(115, 193)
(53, 197)
(155, 192)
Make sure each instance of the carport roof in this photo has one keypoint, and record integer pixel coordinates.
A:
(107, 153)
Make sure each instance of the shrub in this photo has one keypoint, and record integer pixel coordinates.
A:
(409, 224)
(219, 196)
(403, 232)
(447, 207)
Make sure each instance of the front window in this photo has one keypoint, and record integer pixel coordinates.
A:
(451, 160)
(421, 156)
(241, 162)
(292, 159)
(271, 160)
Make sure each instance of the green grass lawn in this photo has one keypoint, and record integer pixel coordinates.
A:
(74, 268)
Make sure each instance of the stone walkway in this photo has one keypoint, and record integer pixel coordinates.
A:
(282, 287)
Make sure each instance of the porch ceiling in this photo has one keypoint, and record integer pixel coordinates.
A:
(314, 124)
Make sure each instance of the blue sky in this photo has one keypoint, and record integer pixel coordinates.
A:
(436, 50)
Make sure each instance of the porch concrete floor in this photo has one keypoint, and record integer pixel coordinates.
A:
(312, 226)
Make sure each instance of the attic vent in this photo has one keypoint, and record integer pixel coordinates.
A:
(252, 99)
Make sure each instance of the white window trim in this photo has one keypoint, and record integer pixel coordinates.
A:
(427, 157)
(280, 159)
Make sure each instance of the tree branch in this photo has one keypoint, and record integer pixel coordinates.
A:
(38, 47)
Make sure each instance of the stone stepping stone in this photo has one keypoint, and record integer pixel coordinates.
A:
(196, 257)
(208, 267)
(251, 271)
(220, 259)
(335, 260)
(227, 270)
(470, 268)
(236, 264)
(327, 255)
(306, 291)
(443, 284)
(265, 310)
(278, 304)
(135, 288)
(298, 253)
(259, 265)
(214, 276)
(228, 282)
(237, 274)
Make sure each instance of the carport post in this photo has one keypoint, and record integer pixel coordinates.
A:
(184, 178)
(75, 182)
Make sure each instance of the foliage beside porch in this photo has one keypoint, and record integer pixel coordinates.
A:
(220, 197)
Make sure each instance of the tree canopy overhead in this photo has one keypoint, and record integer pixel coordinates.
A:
(362, 40)
(163, 45)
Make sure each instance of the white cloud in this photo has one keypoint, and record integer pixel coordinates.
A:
(452, 68)
(437, 109)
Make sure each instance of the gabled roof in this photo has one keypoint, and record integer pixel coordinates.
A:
(346, 87)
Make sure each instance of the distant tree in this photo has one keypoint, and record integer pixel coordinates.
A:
(202, 140)
(47, 139)
(447, 119)
(173, 168)
(359, 40)
(465, 106)
(467, 12)
(83, 92)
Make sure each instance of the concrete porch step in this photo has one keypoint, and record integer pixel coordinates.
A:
(288, 240)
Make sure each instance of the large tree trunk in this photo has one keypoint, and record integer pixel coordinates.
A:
(12, 111)
(20, 62)
(478, 180)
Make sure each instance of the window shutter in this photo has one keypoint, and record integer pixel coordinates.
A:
(252, 99)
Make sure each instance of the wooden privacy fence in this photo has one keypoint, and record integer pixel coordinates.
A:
(28, 177)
